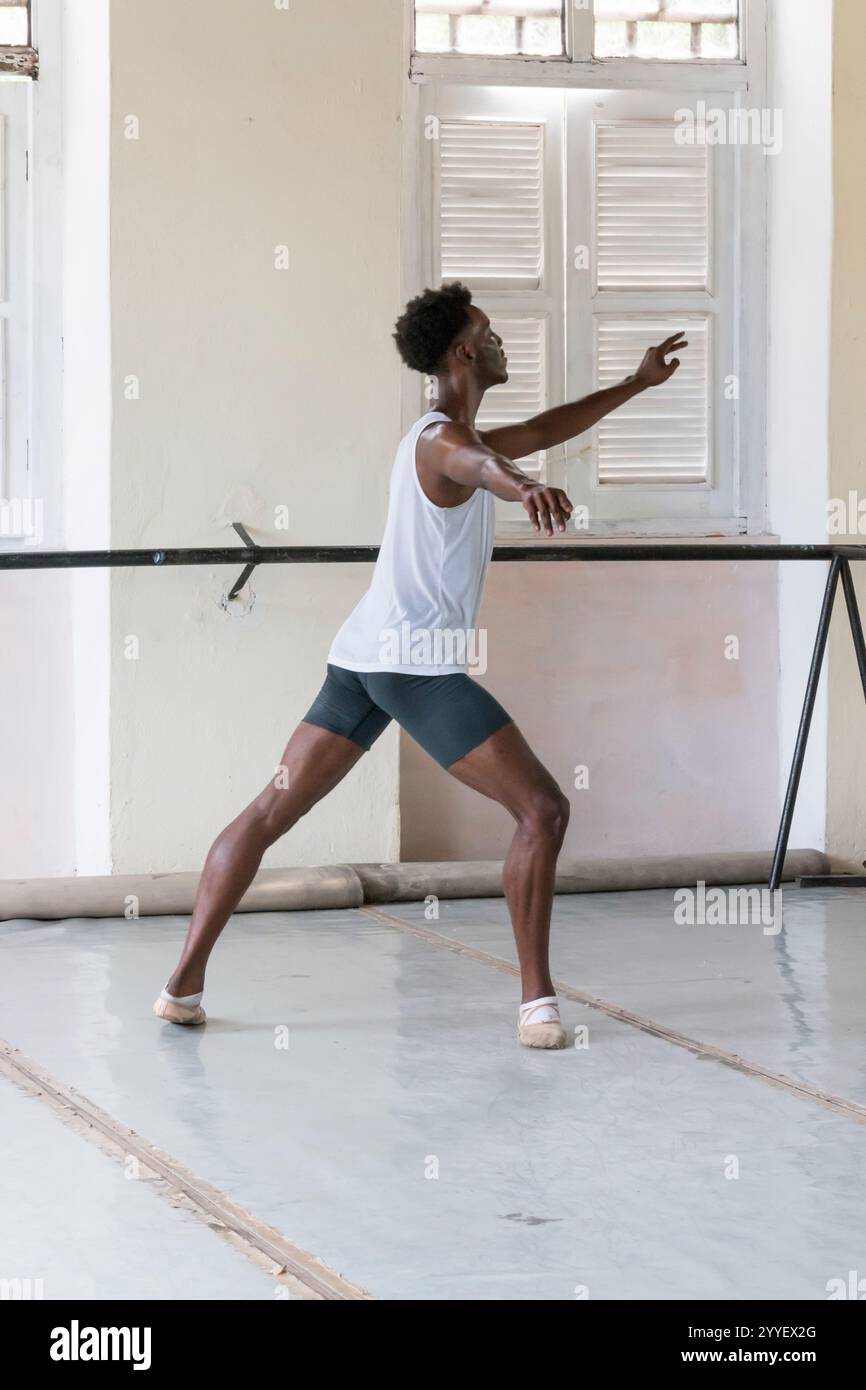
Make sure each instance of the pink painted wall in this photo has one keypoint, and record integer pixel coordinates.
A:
(622, 668)
(37, 829)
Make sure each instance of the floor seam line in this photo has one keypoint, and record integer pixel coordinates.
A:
(296, 1269)
(851, 1109)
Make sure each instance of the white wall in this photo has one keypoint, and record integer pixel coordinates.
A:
(86, 111)
(37, 835)
(801, 248)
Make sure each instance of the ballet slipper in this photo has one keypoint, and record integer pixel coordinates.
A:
(179, 1013)
(538, 1024)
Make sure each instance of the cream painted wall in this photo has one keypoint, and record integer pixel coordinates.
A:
(259, 388)
(846, 789)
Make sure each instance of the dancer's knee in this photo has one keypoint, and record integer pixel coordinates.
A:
(545, 816)
(272, 815)
(263, 822)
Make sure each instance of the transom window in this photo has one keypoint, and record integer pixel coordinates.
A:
(534, 28)
(14, 23)
(676, 30)
(663, 30)
(16, 51)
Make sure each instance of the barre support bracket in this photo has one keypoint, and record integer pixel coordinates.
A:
(247, 570)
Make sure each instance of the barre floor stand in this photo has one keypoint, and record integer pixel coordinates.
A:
(839, 569)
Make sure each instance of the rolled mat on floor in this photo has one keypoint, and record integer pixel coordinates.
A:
(353, 885)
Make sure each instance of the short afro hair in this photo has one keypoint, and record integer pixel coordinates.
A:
(429, 325)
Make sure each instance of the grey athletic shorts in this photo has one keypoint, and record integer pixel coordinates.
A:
(447, 715)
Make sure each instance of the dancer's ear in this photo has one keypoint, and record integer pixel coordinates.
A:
(464, 352)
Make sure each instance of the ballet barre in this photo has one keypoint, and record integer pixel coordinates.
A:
(251, 555)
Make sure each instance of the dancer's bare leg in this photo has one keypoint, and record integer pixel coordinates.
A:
(505, 768)
(314, 762)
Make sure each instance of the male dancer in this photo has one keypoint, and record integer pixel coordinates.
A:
(401, 654)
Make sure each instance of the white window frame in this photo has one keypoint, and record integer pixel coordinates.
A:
(32, 476)
(744, 83)
(578, 68)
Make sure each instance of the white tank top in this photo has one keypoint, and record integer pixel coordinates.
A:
(420, 612)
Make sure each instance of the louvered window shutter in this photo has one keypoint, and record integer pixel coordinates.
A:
(588, 231)
(662, 435)
(491, 236)
(652, 236)
(491, 204)
(525, 392)
(652, 209)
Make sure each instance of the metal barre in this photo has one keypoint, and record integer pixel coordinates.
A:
(251, 556)
(360, 554)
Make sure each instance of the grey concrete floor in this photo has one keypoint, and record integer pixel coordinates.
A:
(74, 1221)
(405, 1139)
